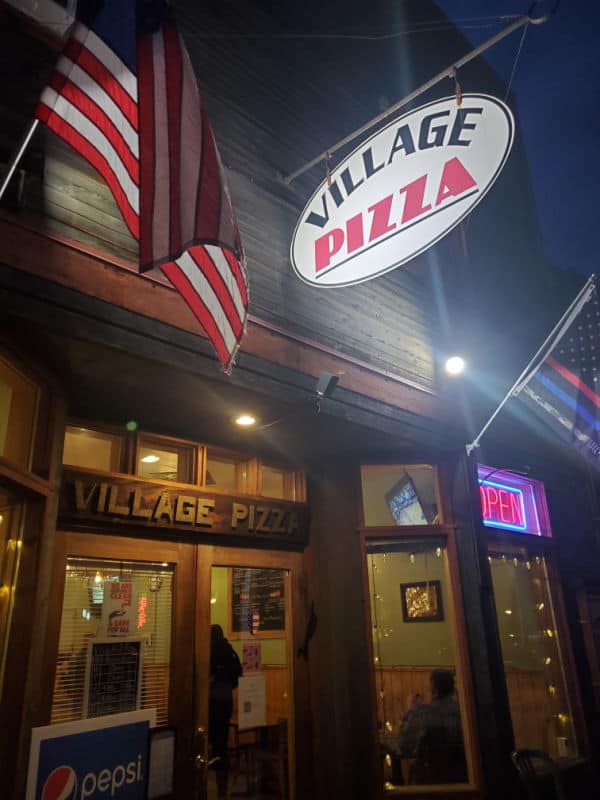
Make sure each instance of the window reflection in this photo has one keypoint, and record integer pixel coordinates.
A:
(418, 707)
(399, 495)
(539, 705)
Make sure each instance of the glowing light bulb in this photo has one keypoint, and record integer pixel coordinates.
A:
(388, 726)
(508, 611)
(455, 365)
(245, 420)
(552, 690)
(540, 607)
(438, 552)
(98, 578)
(515, 562)
(547, 660)
(388, 760)
(411, 558)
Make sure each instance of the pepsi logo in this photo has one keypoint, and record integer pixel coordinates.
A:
(61, 784)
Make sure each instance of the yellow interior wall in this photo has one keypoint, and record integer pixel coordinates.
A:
(402, 643)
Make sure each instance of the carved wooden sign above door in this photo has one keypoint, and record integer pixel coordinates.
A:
(127, 502)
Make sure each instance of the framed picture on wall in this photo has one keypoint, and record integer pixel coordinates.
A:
(422, 601)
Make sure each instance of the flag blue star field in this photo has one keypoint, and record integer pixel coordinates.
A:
(124, 95)
(564, 391)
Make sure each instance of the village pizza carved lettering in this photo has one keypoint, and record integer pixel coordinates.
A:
(170, 508)
(400, 191)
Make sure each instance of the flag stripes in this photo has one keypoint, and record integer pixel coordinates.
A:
(149, 138)
(564, 389)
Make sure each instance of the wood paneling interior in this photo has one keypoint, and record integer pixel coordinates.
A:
(533, 723)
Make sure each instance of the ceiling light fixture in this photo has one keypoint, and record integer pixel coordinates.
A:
(151, 459)
(245, 420)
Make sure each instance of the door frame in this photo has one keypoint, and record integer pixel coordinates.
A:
(292, 563)
(190, 657)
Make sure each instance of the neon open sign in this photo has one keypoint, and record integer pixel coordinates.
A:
(502, 506)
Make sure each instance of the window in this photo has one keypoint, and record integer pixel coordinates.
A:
(421, 700)
(279, 483)
(11, 533)
(117, 609)
(227, 472)
(399, 495)
(92, 449)
(165, 460)
(18, 412)
(537, 690)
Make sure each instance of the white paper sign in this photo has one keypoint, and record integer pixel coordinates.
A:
(252, 704)
(117, 618)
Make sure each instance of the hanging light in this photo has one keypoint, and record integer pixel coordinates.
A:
(411, 558)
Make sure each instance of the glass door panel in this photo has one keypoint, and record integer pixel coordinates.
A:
(249, 683)
(420, 697)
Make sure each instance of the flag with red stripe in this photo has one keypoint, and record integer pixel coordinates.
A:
(565, 389)
(124, 96)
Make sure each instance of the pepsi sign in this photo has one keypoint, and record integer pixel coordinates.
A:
(402, 190)
(105, 758)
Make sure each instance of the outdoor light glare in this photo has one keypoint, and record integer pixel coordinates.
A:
(245, 420)
(455, 365)
(150, 459)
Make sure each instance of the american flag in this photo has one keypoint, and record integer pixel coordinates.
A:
(565, 390)
(124, 96)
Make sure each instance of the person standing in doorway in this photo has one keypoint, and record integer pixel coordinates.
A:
(225, 672)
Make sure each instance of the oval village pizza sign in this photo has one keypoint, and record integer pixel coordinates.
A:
(402, 190)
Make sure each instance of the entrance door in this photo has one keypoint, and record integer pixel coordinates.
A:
(215, 738)
(245, 708)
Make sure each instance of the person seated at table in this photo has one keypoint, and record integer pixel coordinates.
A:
(431, 734)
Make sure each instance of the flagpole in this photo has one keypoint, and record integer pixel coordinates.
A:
(449, 72)
(18, 156)
(548, 344)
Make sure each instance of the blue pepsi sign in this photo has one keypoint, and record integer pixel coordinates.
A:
(101, 759)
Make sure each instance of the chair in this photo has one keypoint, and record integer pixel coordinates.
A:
(271, 757)
(241, 746)
(538, 773)
(438, 759)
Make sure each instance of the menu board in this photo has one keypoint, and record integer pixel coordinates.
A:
(257, 602)
(113, 676)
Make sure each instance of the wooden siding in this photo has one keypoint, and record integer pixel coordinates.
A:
(274, 103)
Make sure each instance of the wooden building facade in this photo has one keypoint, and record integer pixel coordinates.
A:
(135, 511)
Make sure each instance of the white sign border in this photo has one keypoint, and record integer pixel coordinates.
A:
(511, 130)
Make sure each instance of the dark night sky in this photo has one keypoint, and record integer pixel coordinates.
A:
(556, 87)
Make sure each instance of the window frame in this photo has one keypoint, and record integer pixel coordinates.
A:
(462, 667)
(443, 508)
(110, 430)
(192, 450)
(546, 547)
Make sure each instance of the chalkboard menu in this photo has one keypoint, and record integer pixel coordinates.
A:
(257, 604)
(113, 676)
